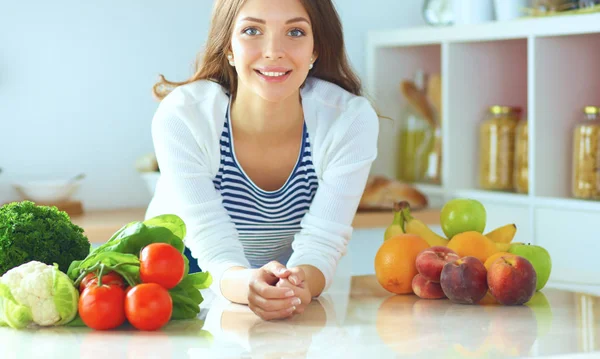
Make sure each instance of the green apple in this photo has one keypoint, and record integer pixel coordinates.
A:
(462, 215)
(539, 258)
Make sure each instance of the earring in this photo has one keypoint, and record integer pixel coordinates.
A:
(310, 66)
(230, 58)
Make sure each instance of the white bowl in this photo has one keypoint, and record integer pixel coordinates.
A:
(150, 179)
(48, 191)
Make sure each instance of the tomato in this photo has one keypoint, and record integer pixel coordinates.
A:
(162, 264)
(111, 278)
(102, 307)
(148, 306)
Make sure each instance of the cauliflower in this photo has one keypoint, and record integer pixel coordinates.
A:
(37, 293)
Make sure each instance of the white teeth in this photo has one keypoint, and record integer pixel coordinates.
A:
(272, 74)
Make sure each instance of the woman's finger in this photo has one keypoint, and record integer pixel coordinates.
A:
(302, 293)
(284, 282)
(276, 269)
(296, 276)
(272, 305)
(267, 291)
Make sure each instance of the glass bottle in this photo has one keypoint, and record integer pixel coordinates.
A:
(433, 174)
(415, 136)
(521, 171)
(586, 155)
(416, 139)
(497, 148)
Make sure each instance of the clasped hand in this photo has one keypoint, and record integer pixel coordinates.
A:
(277, 292)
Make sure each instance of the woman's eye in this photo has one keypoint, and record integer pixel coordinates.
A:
(296, 33)
(252, 31)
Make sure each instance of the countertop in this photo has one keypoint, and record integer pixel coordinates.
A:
(355, 318)
(99, 225)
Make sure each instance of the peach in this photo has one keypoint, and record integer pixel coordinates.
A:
(464, 281)
(512, 280)
(431, 261)
(427, 289)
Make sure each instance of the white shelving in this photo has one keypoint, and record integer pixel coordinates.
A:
(548, 66)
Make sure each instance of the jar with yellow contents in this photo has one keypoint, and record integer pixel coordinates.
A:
(586, 155)
(497, 148)
(521, 163)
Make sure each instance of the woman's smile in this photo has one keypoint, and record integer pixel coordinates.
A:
(273, 74)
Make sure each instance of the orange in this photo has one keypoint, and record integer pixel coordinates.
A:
(493, 257)
(395, 262)
(473, 244)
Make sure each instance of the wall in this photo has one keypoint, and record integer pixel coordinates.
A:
(75, 80)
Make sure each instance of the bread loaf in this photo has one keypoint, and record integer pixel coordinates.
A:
(381, 193)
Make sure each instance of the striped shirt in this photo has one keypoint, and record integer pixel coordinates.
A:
(266, 221)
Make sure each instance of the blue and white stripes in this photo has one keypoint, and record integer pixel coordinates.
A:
(266, 221)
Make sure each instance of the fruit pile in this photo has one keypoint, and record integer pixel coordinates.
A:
(468, 266)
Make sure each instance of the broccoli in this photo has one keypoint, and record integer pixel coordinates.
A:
(29, 232)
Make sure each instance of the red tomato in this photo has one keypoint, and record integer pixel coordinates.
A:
(162, 264)
(111, 278)
(148, 306)
(102, 307)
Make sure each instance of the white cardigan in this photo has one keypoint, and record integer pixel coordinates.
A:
(343, 130)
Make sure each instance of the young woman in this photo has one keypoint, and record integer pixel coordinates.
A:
(265, 152)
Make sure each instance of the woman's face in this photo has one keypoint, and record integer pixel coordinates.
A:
(272, 46)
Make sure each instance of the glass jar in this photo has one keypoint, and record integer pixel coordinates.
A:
(416, 141)
(497, 148)
(521, 171)
(586, 155)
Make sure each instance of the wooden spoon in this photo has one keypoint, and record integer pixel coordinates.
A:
(434, 93)
(418, 100)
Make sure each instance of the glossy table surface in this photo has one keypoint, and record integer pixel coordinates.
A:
(355, 318)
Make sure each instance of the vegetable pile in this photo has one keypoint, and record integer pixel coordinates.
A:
(148, 257)
(39, 233)
(140, 275)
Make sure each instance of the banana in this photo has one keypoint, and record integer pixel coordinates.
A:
(504, 234)
(502, 247)
(397, 226)
(415, 226)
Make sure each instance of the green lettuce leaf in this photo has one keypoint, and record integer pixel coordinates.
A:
(12, 313)
(65, 296)
(186, 295)
(133, 237)
(171, 222)
(76, 322)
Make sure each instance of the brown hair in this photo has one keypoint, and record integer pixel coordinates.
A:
(331, 65)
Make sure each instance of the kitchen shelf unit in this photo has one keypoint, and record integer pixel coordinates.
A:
(548, 66)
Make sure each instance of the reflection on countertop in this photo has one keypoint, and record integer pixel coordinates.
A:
(353, 319)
